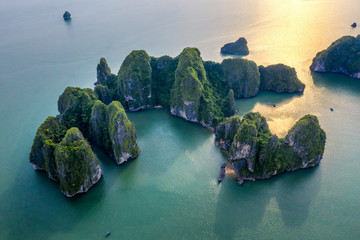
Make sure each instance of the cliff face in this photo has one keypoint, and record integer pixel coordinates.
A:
(163, 76)
(77, 166)
(342, 56)
(122, 134)
(99, 126)
(188, 86)
(48, 136)
(134, 80)
(192, 95)
(242, 76)
(74, 105)
(280, 78)
(257, 154)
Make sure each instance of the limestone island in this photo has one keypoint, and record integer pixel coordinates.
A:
(195, 90)
(255, 153)
(67, 16)
(236, 48)
(60, 149)
(342, 56)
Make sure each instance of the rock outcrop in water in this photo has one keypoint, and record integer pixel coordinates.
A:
(236, 48)
(59, 142)
(343, 56)
(122, 134)
(279, 78)
(191, 94)
(196, 90)
(77, 166)
(134, 80)
(48, 136)
(111, 130)
(257, 154)
(242, 76)
(67, 16)
(74, 105)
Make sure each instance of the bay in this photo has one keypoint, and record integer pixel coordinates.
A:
(170, 191)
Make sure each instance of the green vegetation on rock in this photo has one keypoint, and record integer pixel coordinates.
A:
(342, 56)
(257, 154)
(107, 79)
(77, 166)
(103, 93)
(99, 132)
(192, 95)
(242, 76)
(48, 136)
(121, 133)
(279, 78)
(163, 77)
(134, 80)
(75, 105)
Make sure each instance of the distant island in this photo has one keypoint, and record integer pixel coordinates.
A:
(342, 56)
(239, 47)
(197, 91)
(255, 153)
(67, 16)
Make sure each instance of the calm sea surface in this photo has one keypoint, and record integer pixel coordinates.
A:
(170, 191)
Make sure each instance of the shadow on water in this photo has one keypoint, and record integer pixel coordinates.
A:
(243, 207)
(39, 213)
(294, 196)
(337, 82)
(43, 210)
(239, 207)
(245, 105)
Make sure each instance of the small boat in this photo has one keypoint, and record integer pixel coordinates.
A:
(107, 234)
(222, 173)
(274, 105)
(331, 109)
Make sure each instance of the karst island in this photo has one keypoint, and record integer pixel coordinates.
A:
(190, 88)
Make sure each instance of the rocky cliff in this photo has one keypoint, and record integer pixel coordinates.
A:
(77, 166)
(257, 154)
(48, 136)
(242, 76)
(342, 56)
(122, 133)
(192, 96)
(279, 78)
(74, 105)
(134, 80)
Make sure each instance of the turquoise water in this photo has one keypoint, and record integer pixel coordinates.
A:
(170, 191)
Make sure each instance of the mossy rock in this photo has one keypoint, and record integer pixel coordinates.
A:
(307, 139)
(257, 154)
(107, 79)
(134, 80)
(280, 78)
(99, 126)
(75, 105)
(342, 56)
(77, 166)
(192, 95)
(122, 134)
(242, 76)
(163, 77)
(48, 136)
(103, 93)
